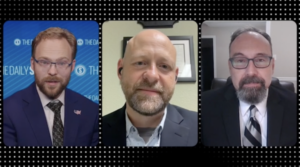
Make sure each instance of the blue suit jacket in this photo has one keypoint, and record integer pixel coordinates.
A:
(25, 121)
(180, 128)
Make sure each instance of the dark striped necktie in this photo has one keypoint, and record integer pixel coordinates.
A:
(58, 128)
(252, 134)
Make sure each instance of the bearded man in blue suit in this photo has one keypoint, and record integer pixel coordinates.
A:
(47, 113)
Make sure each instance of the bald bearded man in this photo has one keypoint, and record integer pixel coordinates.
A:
(148, 75)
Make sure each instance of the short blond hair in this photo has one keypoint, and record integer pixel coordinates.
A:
(55, 33)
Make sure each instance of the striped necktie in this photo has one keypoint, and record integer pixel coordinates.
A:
(252, 134)
(58, 128)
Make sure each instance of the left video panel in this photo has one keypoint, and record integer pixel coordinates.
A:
(47, 61)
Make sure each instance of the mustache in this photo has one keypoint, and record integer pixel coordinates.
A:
(251, 79)
(146, 85)
(47, 79)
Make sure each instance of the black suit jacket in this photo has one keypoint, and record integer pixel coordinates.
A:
(220, 124)
(180, 128)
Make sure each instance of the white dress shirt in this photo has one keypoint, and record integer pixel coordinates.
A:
(261, 117)
(134, 139)
(48, 112)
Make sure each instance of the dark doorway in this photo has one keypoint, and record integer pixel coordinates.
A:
(207, 62)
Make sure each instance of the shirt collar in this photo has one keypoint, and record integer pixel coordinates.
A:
(160, 126)
(262, 106)
(45, 100)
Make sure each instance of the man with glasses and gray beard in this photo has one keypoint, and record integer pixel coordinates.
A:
(250, 110)
(148, 75)
(47, 113)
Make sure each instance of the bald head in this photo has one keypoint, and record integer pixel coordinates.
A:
(150, 38)
(250, 31)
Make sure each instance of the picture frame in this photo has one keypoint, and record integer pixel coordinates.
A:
(157, 24)
(185, 60)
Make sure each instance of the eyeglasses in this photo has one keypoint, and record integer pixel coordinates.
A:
(242, 62)
(61, 65)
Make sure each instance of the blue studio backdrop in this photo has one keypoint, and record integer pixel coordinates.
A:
(18, 36)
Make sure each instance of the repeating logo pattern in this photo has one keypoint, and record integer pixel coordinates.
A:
(79, 42)
(17, 42)
(80, 70)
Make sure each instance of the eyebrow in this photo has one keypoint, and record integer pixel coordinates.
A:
(42, 57)
(136, 56)
(143, 56)
(60, 59)
(241, 54)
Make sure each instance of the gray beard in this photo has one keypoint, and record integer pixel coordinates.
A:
(252, 95)
(147, 106)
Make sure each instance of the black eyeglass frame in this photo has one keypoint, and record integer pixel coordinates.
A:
(270, 58)
(51, 62)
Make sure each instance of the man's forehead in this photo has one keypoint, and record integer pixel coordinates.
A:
(251, 35)
(249, 39)
(149, 32)
(148, 38)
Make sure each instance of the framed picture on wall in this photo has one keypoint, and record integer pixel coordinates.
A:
(184, 56)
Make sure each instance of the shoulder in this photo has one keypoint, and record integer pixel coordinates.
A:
(284, 94)
(216, 92)
(209, 94)
(13, 104)
(186, 114)
(217, 95)
(82, 99)
(113, 116)
(16, 97)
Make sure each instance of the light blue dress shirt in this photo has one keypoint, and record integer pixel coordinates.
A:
(134, 139)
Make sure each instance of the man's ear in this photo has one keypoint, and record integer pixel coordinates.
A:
(176, 74)
(31, 63)
(120, 68)
(230, 67)
(273, 65)
(73, 64)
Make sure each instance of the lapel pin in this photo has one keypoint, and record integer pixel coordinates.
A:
(78, 112)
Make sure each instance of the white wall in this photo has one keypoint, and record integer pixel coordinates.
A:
(284, 43)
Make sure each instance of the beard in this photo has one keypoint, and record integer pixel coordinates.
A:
(147, 105)
(52, 92)
(252, 95)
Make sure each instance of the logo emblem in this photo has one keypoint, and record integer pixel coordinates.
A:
(17, 42)
(80, 70)
(77, 112)
(79, 42)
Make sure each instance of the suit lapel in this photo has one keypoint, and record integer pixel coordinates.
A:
(174, 134)
(274, 119)
(231, 117)
(72, 120)
(34, 111)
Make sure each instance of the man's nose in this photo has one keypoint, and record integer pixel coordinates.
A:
(151, 74)
(251, 69)
(52, 69)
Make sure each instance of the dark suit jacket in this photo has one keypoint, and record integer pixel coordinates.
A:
(180, 128)
(220, 124)
(25, 122)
